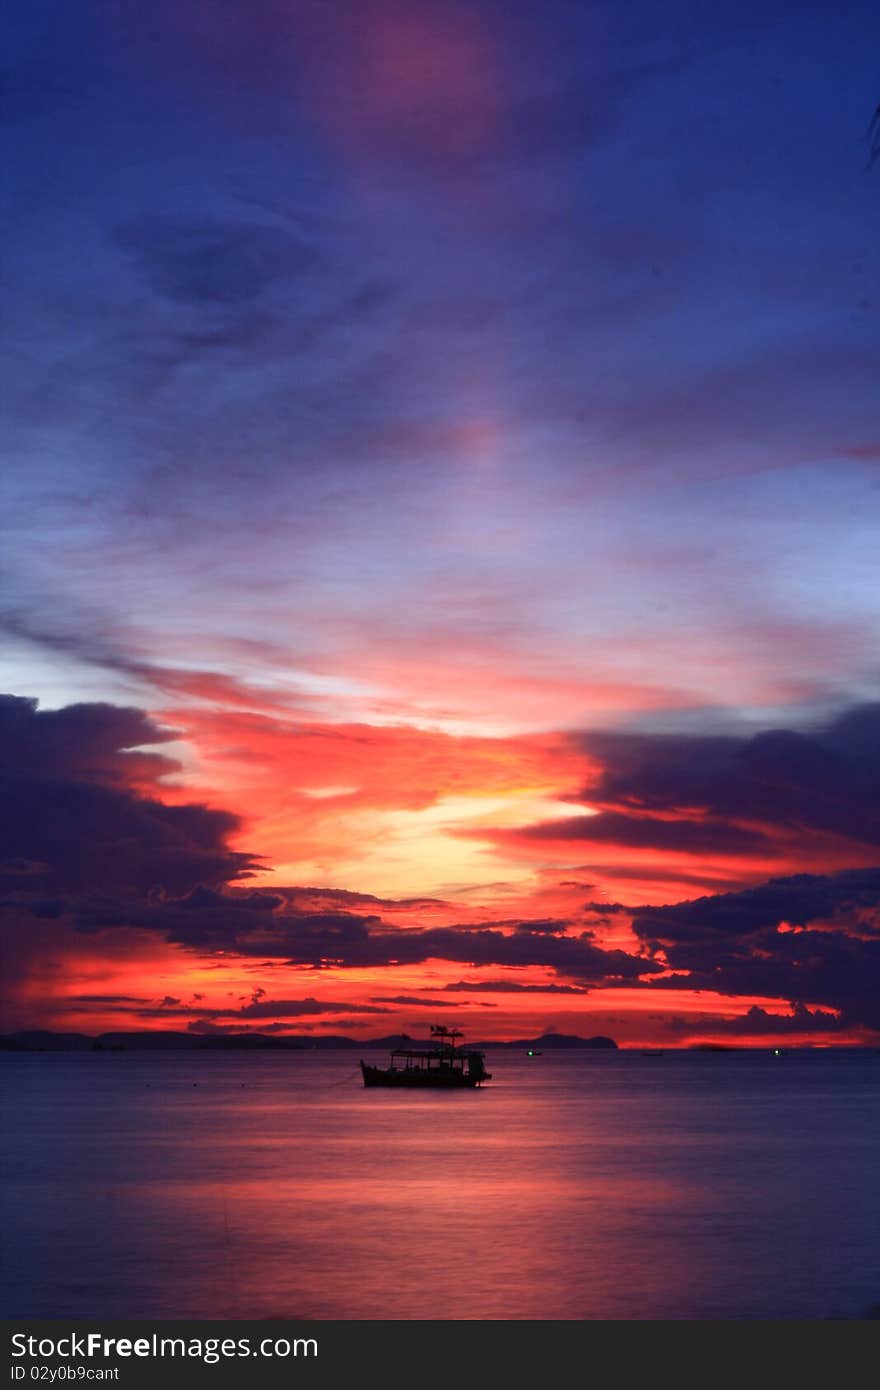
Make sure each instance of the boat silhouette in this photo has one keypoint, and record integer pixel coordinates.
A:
(440, 1064)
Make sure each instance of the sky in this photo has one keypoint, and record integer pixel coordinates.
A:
(439, 506)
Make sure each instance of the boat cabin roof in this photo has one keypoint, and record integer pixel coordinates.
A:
(446, 1053)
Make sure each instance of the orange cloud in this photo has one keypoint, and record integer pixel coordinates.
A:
(370, 807)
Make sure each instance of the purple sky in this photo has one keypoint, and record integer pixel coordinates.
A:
(400, 398)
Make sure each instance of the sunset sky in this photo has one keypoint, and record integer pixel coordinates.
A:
(440, 508)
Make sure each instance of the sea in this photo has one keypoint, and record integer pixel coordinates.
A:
(574, 1186)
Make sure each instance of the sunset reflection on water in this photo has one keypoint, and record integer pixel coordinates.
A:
(573, 1187)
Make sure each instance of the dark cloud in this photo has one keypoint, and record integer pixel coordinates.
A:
(511, 987)
(347, 940)
(210, 260)
(731, 795)
(257, 1008)
(730, 917)
(422, 1003)
(86, 742)
(202, 898)
(758, 1021)
(708, 879)
(826, 968)
(218, 923)
(542, 926)
(822, 780)
(71, 822)
(208, 921)
(312, 899)
(808, 938)
(648, 832)
(298, 1008)
(105, 1000)
(75, 836)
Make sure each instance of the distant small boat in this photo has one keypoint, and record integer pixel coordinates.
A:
(441, 1065)
(652, 1051)
(534, 1052)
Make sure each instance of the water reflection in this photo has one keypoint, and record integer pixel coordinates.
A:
(613, 1186)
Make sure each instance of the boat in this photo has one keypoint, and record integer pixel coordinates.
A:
(440, 1064)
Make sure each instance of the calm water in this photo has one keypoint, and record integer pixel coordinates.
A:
(575, 1186)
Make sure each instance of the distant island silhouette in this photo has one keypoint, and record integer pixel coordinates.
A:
(38, 1040)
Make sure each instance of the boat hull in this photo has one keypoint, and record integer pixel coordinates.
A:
(423, 1079)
